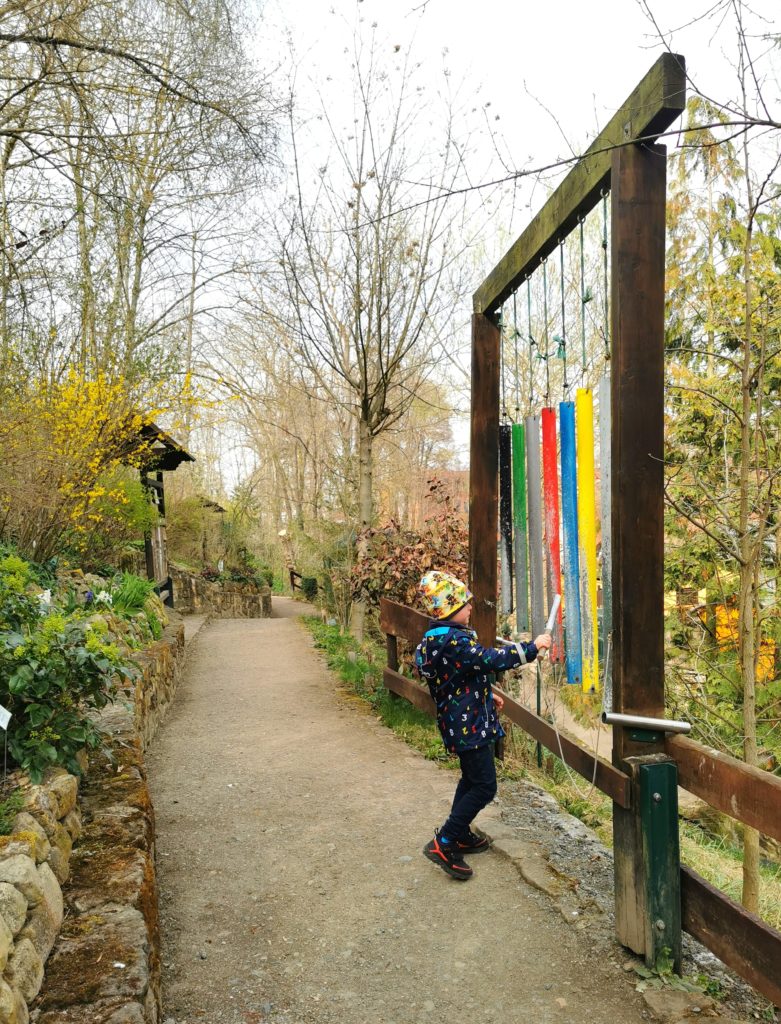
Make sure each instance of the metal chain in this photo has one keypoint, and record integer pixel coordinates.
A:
(516, 335)
(607, 276)
(563, 319)
(531, 342)
(583, 299)
(545, 314)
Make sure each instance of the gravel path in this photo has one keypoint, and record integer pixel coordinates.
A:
(293, 889)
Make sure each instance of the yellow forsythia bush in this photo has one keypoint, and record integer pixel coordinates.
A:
(64, 444)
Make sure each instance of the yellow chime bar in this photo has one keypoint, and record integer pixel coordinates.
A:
(587, 536)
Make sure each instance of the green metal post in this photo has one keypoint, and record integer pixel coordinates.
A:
(658, 785)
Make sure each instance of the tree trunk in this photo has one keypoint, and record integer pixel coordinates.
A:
(747, 597)
(747, 654)
(365, 514)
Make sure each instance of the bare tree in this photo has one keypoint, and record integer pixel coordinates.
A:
(127, 135)
(362, 289)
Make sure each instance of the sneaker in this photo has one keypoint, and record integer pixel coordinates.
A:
(449, 857)
(470, 843)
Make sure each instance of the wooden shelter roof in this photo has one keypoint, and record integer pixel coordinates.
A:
(166, 454)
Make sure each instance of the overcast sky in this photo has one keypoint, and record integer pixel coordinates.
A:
(579, 59)
(544, 77)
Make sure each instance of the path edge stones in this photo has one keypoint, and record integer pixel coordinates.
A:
(105, 965)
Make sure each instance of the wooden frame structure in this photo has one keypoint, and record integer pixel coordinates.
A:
(625, 159)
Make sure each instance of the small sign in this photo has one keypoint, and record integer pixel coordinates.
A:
(5, 717)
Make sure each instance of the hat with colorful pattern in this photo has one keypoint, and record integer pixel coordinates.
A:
(442, 594)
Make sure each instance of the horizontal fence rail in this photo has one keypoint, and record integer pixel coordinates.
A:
(742, 940)
(748, 794)
(406, 623)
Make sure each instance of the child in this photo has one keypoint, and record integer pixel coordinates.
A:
(458, 672)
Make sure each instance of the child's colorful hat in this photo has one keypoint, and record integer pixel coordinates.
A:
(442, 594)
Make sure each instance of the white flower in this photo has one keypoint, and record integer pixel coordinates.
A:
(103, 597)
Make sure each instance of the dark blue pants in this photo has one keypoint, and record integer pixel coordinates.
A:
(476, 789)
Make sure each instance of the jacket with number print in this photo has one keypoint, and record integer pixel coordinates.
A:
(459, 672)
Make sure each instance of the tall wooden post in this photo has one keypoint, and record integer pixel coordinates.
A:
(484, 476)
(638, 191)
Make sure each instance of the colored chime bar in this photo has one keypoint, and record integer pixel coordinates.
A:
(605, 496)
(506, 517)
(587, 537)
(534, 503)
(536, 530)
(550, 487)
(519, 528)
(569, 520)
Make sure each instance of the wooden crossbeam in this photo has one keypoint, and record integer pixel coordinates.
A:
(652, 107)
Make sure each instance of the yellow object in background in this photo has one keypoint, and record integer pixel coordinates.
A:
(727, 636)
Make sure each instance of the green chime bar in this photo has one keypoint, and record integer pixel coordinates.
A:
(534, 494)
(520, 532)
(505, 518)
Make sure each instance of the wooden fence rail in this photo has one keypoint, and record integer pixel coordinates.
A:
(743, 792)
(741, 940)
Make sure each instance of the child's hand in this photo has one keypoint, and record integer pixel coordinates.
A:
(498, 701)
(542, 642)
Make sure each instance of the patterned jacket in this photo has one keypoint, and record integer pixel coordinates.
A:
(459, 673)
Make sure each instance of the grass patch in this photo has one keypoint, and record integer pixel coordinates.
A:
(721, 864)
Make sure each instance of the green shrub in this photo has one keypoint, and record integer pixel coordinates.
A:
(54, 667)
(309, 587)
(243, 574)
(131, 594)
(277, 585)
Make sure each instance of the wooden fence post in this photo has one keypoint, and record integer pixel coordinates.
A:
(638, 195)
(484, 476)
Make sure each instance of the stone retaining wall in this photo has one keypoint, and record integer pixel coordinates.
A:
(193, 595)
(93, 908)
(34, 862)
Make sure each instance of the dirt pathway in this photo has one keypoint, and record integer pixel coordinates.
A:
(293, 888)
